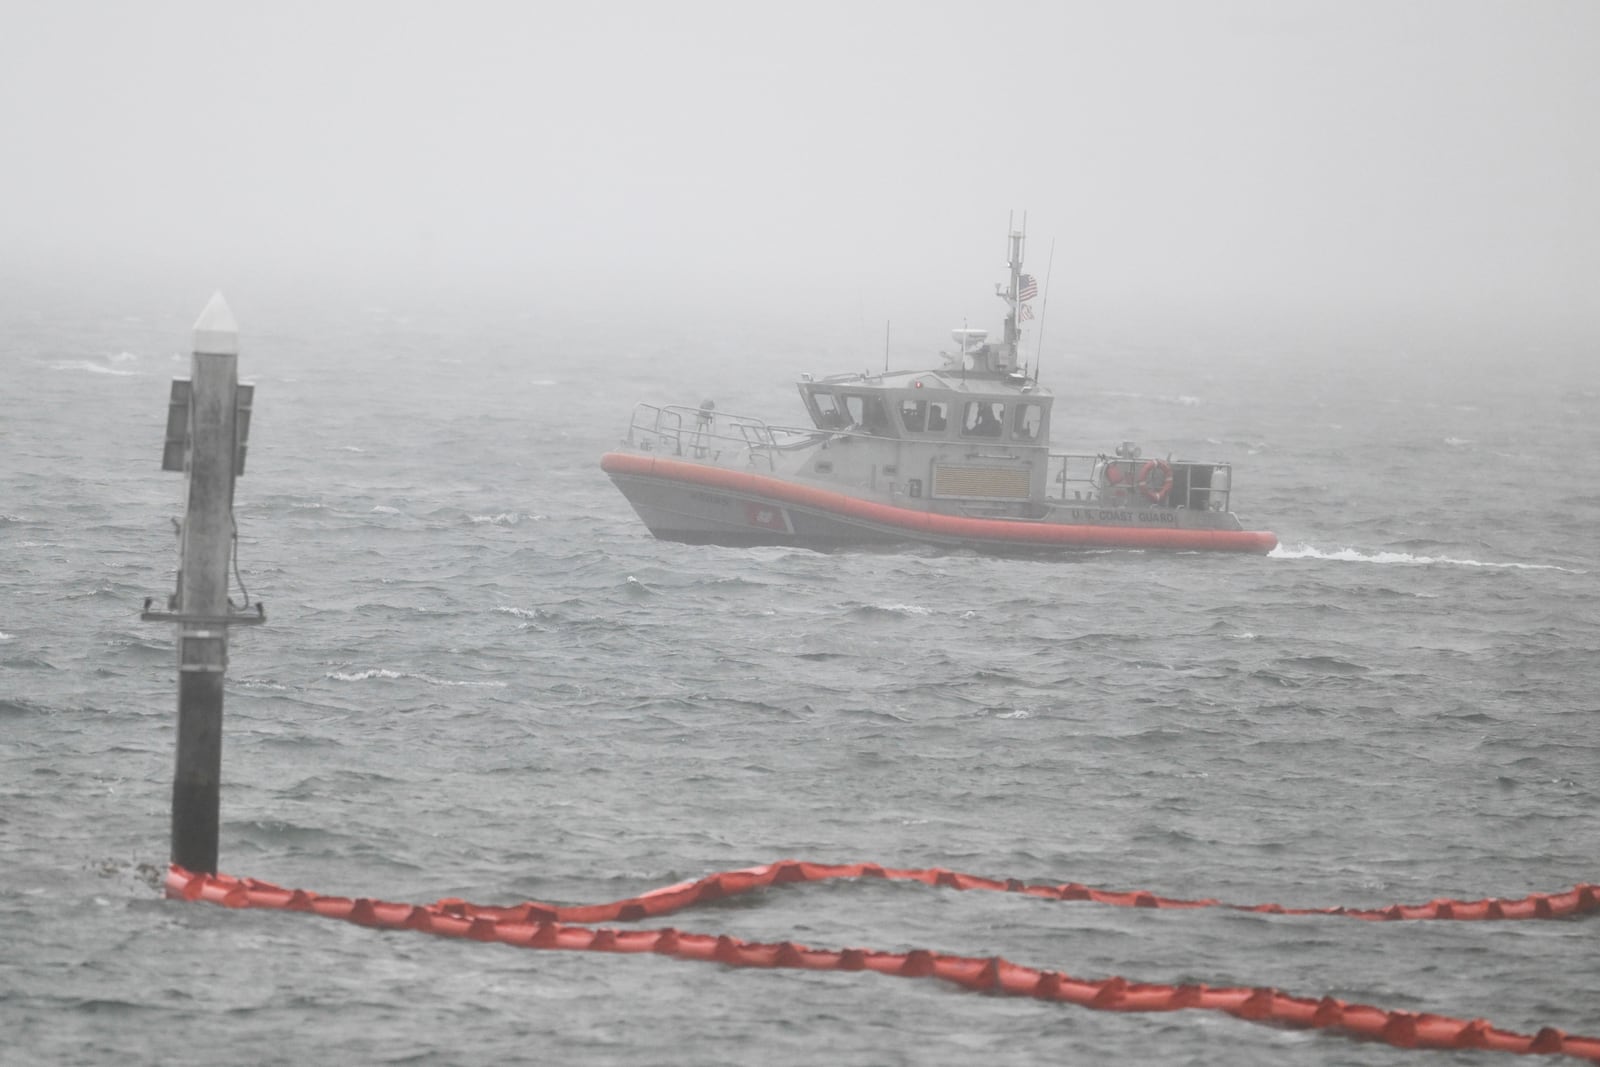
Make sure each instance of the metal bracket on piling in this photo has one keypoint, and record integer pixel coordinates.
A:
(175, 451)
(232, 618)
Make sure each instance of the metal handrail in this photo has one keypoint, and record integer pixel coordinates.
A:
(1079, 477)
(700, 433)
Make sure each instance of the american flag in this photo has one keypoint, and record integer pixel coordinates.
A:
(1026, 313)
(1027, 287)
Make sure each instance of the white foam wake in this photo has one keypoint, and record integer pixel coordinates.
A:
(389, 675)
(904, 609)
(92, 368)
(1351, 555)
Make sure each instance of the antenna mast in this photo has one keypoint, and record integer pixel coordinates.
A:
(1010, 348)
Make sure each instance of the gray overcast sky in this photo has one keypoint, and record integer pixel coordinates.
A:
(1410, 159)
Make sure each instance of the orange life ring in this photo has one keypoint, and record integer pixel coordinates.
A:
(1155, 479)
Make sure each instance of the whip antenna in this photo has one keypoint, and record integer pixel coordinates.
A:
(1044, 306)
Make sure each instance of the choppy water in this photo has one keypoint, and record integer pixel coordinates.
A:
(482, 679)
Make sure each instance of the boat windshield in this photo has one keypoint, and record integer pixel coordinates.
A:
(861, 412)
(825, 410)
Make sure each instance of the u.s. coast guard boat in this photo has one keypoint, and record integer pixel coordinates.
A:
(958, 456)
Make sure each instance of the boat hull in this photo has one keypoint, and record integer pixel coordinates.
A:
(706, 504)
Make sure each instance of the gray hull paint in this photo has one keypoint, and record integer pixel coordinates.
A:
(692, 514)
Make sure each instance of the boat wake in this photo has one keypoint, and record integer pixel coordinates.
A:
(1351, 555)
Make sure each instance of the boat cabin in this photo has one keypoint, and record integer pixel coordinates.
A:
(930, 407)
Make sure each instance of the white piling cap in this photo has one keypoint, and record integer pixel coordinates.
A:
(215, 332)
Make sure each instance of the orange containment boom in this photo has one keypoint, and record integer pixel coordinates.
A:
(1580, 900)
(521, 927)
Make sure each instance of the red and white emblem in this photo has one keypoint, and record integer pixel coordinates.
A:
(767, 516)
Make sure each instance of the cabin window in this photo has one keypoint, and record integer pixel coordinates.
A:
(924, 416)
(1028, 419)
(983, 418)
(867, 413)
(825, 409)
(914, 415)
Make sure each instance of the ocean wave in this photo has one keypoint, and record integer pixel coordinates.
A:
(92, 368)
(260, 683)
(1181, 400)
(893, 609)
(385, 674)
(1324, 664)
(1251, 447)
(154, 646)
(739, 582)
(1351, 555)
(279, 832)
(543, 618)
(29, 663)
(505, 518)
